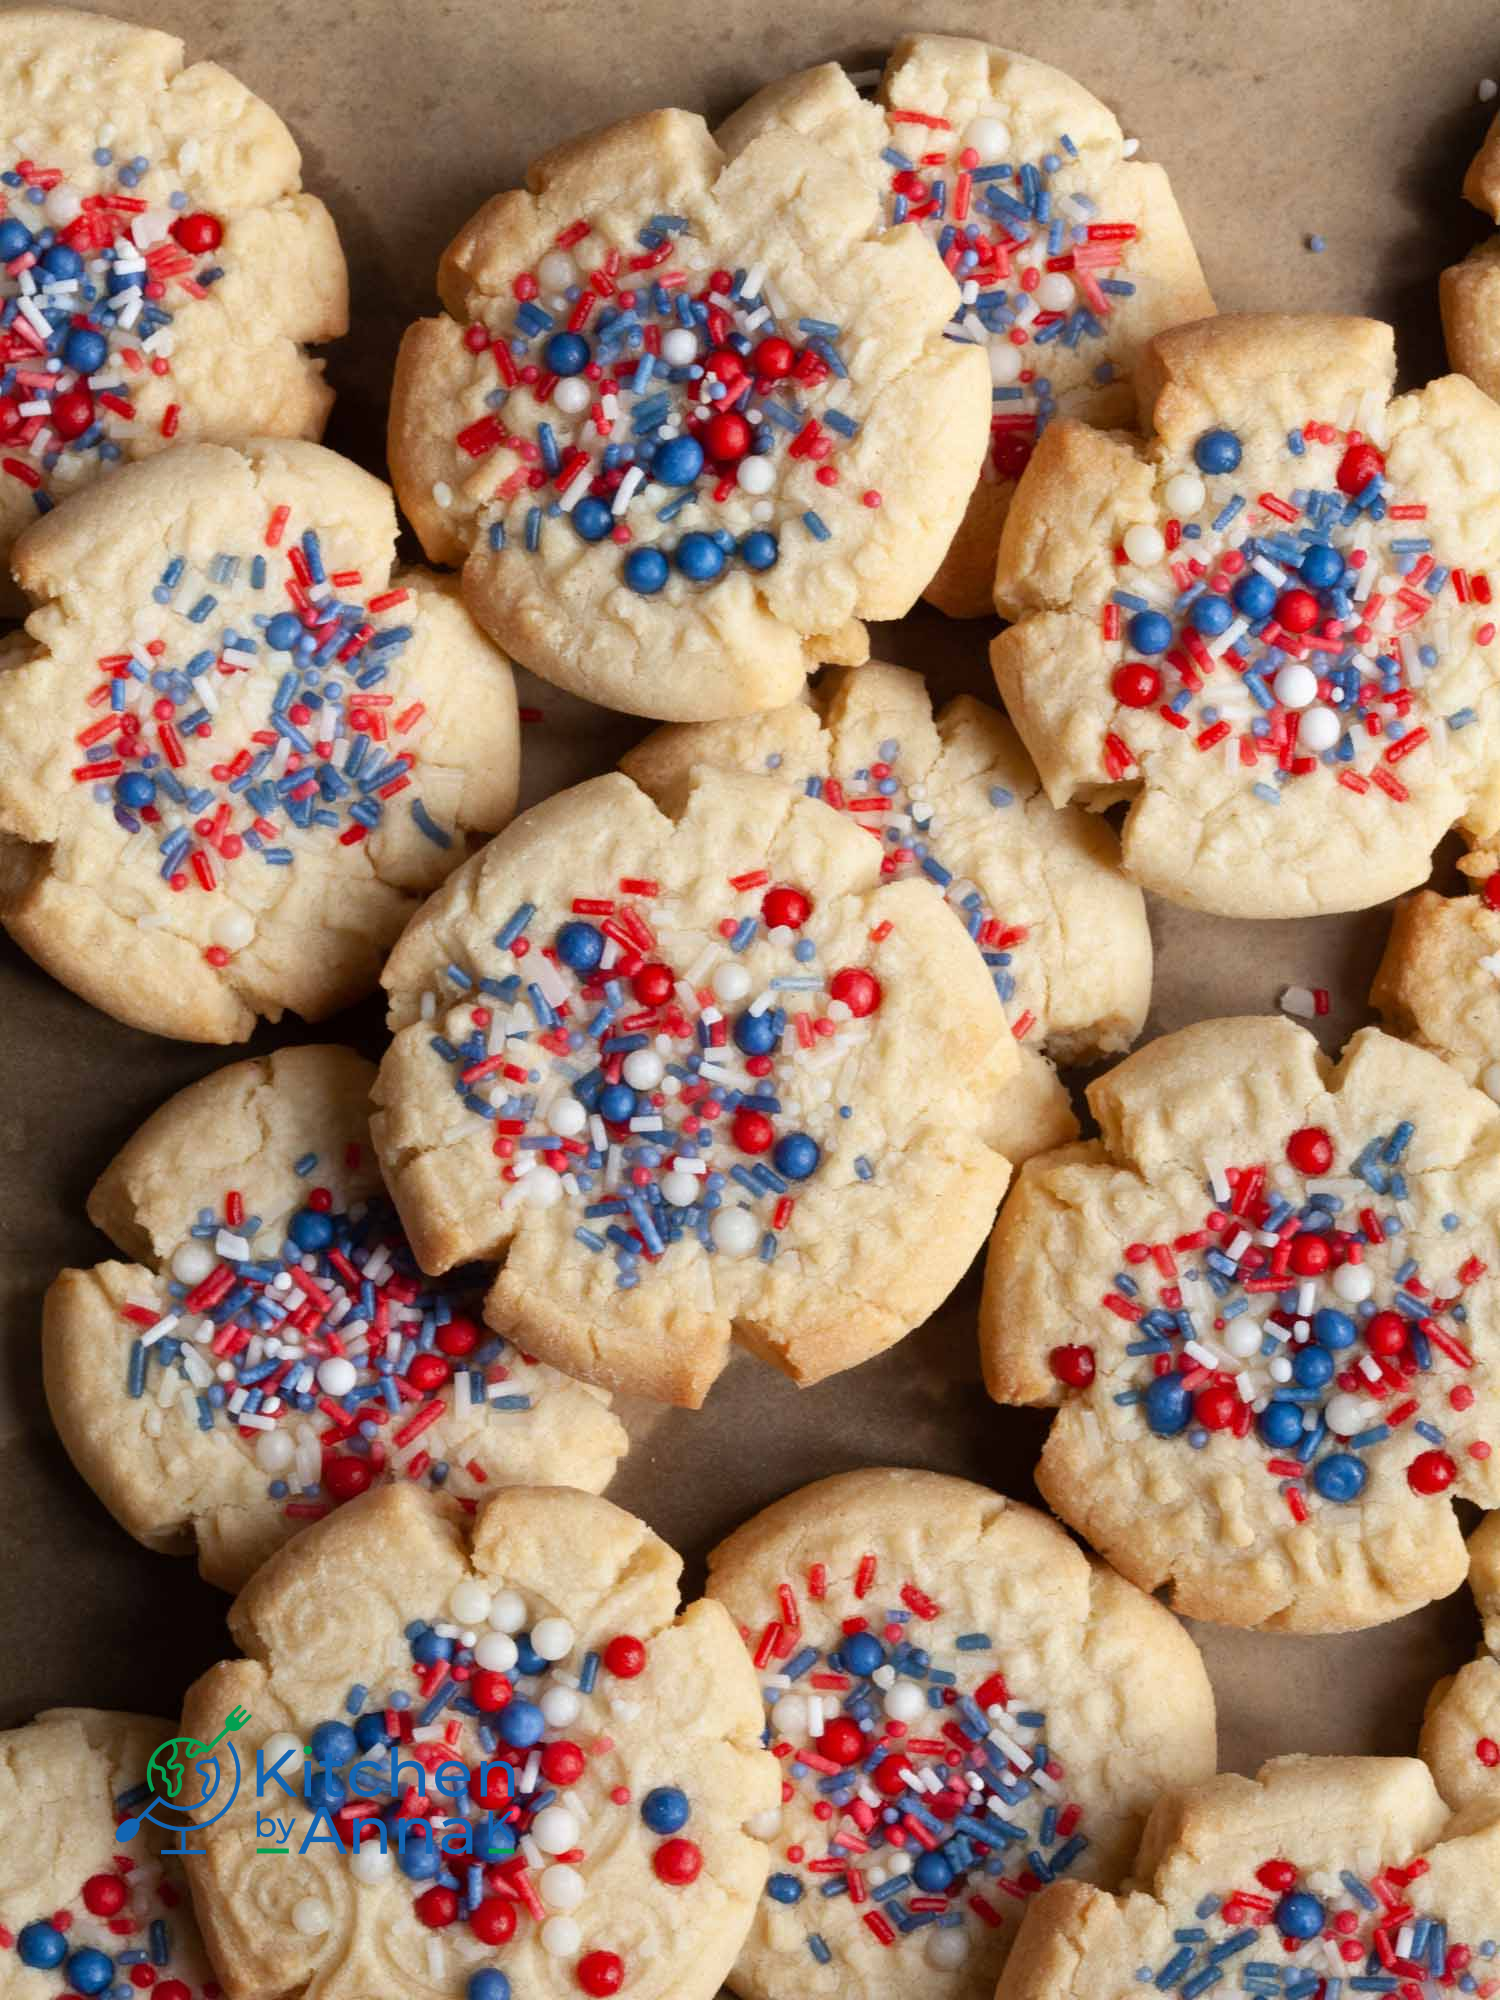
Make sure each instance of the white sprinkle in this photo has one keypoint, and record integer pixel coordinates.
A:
(1487, 89)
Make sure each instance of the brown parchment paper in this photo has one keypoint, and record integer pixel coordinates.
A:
(1353, 120)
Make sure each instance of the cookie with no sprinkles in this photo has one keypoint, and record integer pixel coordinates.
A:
(236, 749)
(688, 421)
(162, 267)
(690, 1075)
(1469, 292)
(964, 1706)
(507, 1763)
(953, 797)
(1271, 628)
(1461, 1731)
(1334, 1874)
(1438, 982)
(272, 1350)
(1069, 252)
(1263, 1303)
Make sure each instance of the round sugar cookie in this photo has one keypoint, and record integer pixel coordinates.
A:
(1271, 628)
(963, 1706)
(953, 796)
(1328, 1874)
(690, 1075)
(274, 1350)
(236, 750)
(83, 1912)
(687, 421)
(1461, 1731)
(507, 1764)
(1469, 292)
(1069, 253)
(1264, 1304)
(160, 266)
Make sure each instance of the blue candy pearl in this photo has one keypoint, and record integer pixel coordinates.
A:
(1281, 1425)
(418, 1857)
(580, 947)
(1334, 1329)
(1322, 566)
(39, 1945)
(61, 262)
(592, 519)
(528, 1659)
(90, 1971)
(932, 1874)
(759, 550)
(755, 1034)
(520, 1724)
(784, 1889)
(1299, 1915)
(1150, 632)
(700, 558)
(1313, 1367)
(493, 1840)
(487, 1984)
(1169, 1406)
(430, 1647)
(862, 1653)
(646, 571)
(677, 462)
(283, 632)
(797, 1156)
(325, 1789)
(1341, 1476)
(369, 1732)
(135, 789)
(617, 1103)
(1255, 595)
(1217, 451)
(566, 354)
(85, 350)
(310, 1230)
(665, 1809)
(15, 240)
(1211, 614)
(334, 1743)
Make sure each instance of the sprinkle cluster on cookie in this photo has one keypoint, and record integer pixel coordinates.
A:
(115, 1939)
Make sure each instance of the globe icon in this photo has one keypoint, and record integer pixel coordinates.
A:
(184, 1777)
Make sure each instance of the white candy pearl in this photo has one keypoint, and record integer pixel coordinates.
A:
(283, 1744)
(905, 1702)
(560, 1706)
(1145, 545)
(274, 1452)
(1491, 1081)
(555, 1830)
(1295, 686)
(1320, 729)
(557, 271)
(730, 981)
(1005, 363)
(1345, 1415)
(679, 347)
(561, 1887)
(370, 1863)
(496, 1653)
(62, 206)
(1353, 1283)
(567, 1117)
(572, 395)
(233, 929)
(1055, 293)
(755, 474)
(507, 1611)
(552, 1638)
(789, 1715)
(310, 1917)
(765, 1825)
(946, 1951)
(681, 1190)
(644, 1069)
(336, 1376)
(469, 1602)
(1185, 494)
(735, 1231)
(192, 1261)
(561, 1937)
(1242, 1337)
(989, 138)
(542, 1187)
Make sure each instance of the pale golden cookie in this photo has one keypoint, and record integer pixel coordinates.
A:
(154, 232)
(1439, 981)
(1271, 628)
(954, 797)
(236, 750)
(1469, 293)
(212, 1408)
(896, 1617)
(692, 1075)
(1069, 253)
(1264, 1304)
(587, 1755)
(1461, 1731)
(688, 420)
(1332, 1875)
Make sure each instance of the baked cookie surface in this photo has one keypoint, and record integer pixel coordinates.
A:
(81, 1911)
(1469, 293)
(690, 1076)
(276, 1351)
(688, 420)
(899, 1617)
(1069, 253)
(1461, 1731)
(236, 750)
(577, 1760)
(1272, 628)
(1326, 1874)
(1438, 983)
(1263, 1302)
(162, 266)
(953, 797)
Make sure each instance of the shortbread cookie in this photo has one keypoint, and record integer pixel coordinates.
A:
(954, 797)
(1069, 254)
(692, 1077)
(1321, 1876)
(276, 1350)
(1461, 1734)
(1469, 293)
(550, 1765)
(1439, 981)
(964, 1707)
(235, 750)
(160, 267)
(1264, 1304)
(688, 421)
(1272, 627)
(83, 1912)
